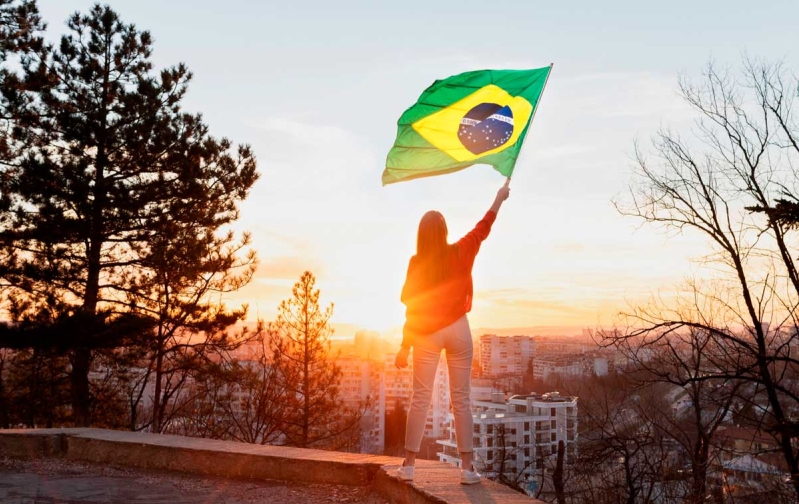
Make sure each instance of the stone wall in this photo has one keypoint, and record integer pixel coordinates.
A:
(435, 482)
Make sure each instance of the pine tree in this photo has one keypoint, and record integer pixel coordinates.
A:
(21, 44)
(110, 157)
(20, 36)
(185, 266)
(300, 339)
(21, 41)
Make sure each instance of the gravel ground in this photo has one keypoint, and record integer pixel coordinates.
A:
(55, 481)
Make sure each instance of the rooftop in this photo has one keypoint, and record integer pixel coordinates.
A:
(547, 397)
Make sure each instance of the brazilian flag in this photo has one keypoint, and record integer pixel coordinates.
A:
(478, 117)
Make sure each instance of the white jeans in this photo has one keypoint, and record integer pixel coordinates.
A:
(456, 339)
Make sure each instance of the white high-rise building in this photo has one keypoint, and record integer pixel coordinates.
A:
(523, 432)
(438, 416)
(505, 355)
(354, 386)
(358, 390)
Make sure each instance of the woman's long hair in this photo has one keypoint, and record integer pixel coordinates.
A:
(432, 248)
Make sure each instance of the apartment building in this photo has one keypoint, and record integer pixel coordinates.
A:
(505, 355)
(520, 434)
(357, 390)
(562, 365)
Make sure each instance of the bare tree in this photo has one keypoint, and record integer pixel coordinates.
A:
(197, 413)
(740, 156)
(677, 359)
(258, 414)
(622, 454)
(35, 386)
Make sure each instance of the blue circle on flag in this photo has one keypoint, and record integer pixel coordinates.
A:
(486, 127)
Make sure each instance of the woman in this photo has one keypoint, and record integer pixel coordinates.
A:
(437, 295)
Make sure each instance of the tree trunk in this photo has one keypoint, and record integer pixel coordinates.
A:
(79, 381)
(4, 406)
(699, 483)
(540, 457)
(557, 476)
(306, 379)
(158, 413)
(134, 403)
(81, 356)
(133, 416)
(766, 378)
(632, 489)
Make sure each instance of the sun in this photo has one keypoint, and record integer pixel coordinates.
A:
(378, 310)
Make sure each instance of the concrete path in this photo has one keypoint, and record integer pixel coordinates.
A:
(47, 481)
(435, 482)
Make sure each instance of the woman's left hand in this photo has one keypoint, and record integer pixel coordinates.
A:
(401, 360)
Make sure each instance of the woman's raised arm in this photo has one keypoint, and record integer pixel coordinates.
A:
(502, 195)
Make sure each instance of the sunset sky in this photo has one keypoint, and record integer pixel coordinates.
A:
(317, 87)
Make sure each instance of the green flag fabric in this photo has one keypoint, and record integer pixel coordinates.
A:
(478, 117)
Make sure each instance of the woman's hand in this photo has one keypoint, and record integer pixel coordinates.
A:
(502, 195)
(401, 360)
(504, 191)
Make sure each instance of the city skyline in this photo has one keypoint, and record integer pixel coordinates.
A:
(317, 91)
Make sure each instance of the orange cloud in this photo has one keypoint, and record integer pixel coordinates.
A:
(287, 267)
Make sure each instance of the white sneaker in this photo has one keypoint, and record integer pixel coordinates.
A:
(469, 477)
(405, 473)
